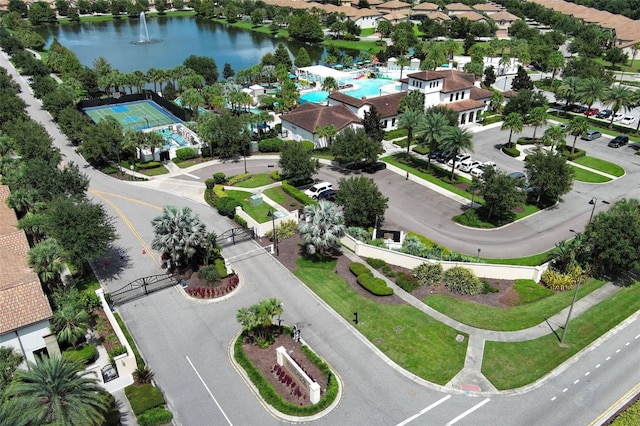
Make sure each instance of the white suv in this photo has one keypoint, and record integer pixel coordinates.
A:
(317, 189)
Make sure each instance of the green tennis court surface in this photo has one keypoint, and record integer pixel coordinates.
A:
(133, 115)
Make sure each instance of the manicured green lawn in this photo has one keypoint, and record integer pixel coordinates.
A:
(186, 163)
(530, 291)
(259, 212)
(255, 181)
(156, 171)
(364, 46)
(367, 31)
(250, 27)
(583, 175)
(506, 319)
(601, 165)
(434, 354)
(277, 194)
(510, 365)
(534, 260)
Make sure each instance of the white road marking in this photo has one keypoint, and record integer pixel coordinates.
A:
(209, 391)
(618, 351)
(564, 390)
(469, 411)
(587, 373)
(424, 410)
(576, 382)
(554, 398)
(637, 336)
(627, 344)
(192, 176)
(598, 366)
(607, 358)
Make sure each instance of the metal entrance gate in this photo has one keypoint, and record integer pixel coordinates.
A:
(141, 287)
(234, 235)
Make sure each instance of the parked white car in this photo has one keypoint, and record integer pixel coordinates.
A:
(459, 159)
(468, 164)
(478, 171)
(317, 189)
(618, 116)
(627, 120)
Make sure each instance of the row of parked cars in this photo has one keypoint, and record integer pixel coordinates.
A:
(604, 114)
(463, 162)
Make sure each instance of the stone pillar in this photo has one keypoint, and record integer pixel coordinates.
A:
(314, 392)
(280, 355)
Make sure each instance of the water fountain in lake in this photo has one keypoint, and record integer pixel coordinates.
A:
(144, 32)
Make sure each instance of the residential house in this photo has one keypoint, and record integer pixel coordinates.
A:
(486, 8)
(454, 89)
(365, 18)
(303, 122)
(395, 17)
(456, 9)
(395, 6)
(386, 105)
(503, 20)
(24, 309)
(471, 16)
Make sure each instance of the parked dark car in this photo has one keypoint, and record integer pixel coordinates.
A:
(445, 157)
(605, 113)
(327, 194)
(579, 109)
(434, 154)
(378, 165)
(619, 141)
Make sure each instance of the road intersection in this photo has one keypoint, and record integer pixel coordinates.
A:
(187, 344)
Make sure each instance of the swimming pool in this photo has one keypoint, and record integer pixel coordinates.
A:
(363, 88)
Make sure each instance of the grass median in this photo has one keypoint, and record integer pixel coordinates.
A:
(600, 165)
(255, 181)
(511, 365)
(506, 319)
(413, 340)
(584, 175)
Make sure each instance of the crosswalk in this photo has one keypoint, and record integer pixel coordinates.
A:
(441, 410)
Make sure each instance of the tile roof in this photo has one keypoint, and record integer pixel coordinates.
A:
(503, 16)
(394, 5)
(486, 7)
(465, 105)
(309, 116)
(453, 80)
(471, 16)
(458, 7)
(22, 301)
(480, 94)
(432, 7)
(387, 105)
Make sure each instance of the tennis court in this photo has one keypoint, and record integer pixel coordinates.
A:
(134, 115)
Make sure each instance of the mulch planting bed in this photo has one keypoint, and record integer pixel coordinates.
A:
(504, 298)
(265, 360)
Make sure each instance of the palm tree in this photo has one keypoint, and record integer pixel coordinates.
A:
(456, 140)
(329, 84)
(52, 391)
(403, 61)
(410, 120)
(193, 100)
(34, 224)
(576, 127)
(179, 234)
(154, 76)
(323, 226)
(634, 51)
(432, 129)
(514, 123)
(327, 133)
(555, 62)
(153, 141)
(556, 135)
(133, 140)
(70, 324)
(590, 90)
(537, 117)
(618, 97)
(568, 90)
(46, 259)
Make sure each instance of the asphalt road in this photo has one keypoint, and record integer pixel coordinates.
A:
(186, 343)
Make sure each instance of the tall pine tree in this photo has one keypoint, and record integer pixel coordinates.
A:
(372, 125)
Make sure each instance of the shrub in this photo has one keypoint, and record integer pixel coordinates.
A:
(462, 281)
(296, 193)
(308, 145)
(359, 234)
(118, 350)
(388, 272)
(219, 178)
(221, 268)
(112, 416)
(376, 286)
(240, 221)
(238, 178)
(491, 119)
(421, 149)
(407, 282)
(127, 336)
(359, 268)
(284, 230)
(148, 165)
(579, 153)
(529, 141)
(275, 175)
(83, 355)
(376, 263)
(143, 375)
(227, 206)
(557, 281)
(155, 416)
(184, 154)
(210, 183)
(488, 288)
(428, 273)
(218, 191)
(209, 274)
(510, 151)
(270, 145)
(143, 397)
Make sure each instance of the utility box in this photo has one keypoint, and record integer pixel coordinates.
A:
(255, 199)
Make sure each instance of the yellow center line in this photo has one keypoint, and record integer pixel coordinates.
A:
(607, 412)
(102, 194)
(148, 250)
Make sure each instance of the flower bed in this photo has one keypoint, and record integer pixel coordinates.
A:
(226, 286)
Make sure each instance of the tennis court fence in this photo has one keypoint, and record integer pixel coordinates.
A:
(145, 95)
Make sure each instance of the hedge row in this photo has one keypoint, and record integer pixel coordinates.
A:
(125, 331)
(579, 153)
(420, 149)
(490, 120)
(272, 397)
(84, 355)
(359, 268)
(240, 221)
(376, 286)
(270, 145)
(296, 193)
(143, 397)
(510, 151)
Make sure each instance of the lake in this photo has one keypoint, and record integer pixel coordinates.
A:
(181, 37)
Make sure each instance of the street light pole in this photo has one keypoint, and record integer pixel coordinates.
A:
(593, 201)
(275, 235)
(244, 152)
(478, 258)
(566, 324)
